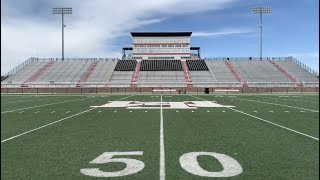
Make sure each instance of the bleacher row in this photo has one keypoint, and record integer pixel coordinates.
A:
(126, 65)
(197, 65)
(161, 65)
(203, 73)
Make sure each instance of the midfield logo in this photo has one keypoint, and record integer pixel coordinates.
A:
(165, 105)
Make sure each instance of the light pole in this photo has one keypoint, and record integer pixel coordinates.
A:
(62, 11)
(261, 10)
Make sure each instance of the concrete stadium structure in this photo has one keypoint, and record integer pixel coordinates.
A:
(161, 60)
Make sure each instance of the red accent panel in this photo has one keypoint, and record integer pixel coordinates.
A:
(186, 73)
(286, 73)
(135, 75)
(87, 74)
(39, 72)
(237, 74)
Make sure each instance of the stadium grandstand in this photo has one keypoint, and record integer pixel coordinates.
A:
(160, 60)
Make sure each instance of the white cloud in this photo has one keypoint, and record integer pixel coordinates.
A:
(223, 32)
(91, 30)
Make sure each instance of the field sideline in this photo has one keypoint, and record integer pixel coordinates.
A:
(272, 136)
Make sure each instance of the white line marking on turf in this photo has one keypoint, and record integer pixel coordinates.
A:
(46, 125)
(279, 105)
(21, 112)
(37, 112)
(284, 99)
(266, 121)
(271, 111)
(13, 137)
(162, 156)
(68, 112)
(286, 111)
(40, 106)
(53, 112)
(255, 111)
(274, 124)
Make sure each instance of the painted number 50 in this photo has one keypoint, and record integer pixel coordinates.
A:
(188, 162)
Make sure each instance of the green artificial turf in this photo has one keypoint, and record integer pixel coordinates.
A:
(61, 149)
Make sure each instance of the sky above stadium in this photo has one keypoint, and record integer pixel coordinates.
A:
(100, 28)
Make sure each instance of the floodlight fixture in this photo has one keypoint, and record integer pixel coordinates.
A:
(261, 10)
(62, 11)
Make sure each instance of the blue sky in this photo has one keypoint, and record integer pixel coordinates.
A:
(100, 28)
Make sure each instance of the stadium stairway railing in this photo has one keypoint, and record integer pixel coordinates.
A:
(136, 74)
(237, 74)
(186, 73)
(286, 73)
(37, 74)
(87, 74)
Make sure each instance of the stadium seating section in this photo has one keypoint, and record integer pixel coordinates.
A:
(161, 65)
(197, 65)
(162, 73)
(126, 65)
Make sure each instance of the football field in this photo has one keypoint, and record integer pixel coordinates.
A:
(156, 136)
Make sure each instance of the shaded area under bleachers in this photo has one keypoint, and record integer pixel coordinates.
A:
(161, 65)
(197, 65)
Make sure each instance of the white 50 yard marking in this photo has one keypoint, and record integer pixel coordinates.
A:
(231, 167)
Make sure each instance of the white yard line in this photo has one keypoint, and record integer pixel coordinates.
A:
(42, 105)
(278, 104)
(13, 102)
(274, 124)
(284, 99)
(267, 121)
(162, 156)
(13, 137)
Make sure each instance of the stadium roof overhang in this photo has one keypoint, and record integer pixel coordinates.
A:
(127, 48)
(194, 48)
(160, 34)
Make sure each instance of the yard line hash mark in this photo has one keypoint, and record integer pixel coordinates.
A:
(278, 104)
(13, 137)
(41, 105)
(266, 121)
